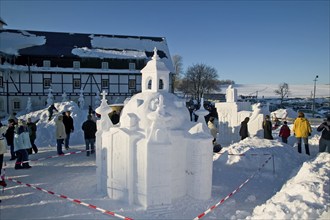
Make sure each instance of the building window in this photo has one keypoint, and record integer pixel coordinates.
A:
(76, 64)
(131, 84)
(149, 84)
(16, 105)
(47, 83)
(105, 65)
(131, 66)
(46, 63)
(1, 82)
(76, 83)
(161, 84)
(105, 83)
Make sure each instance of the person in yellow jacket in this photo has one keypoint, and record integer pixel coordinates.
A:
(302, 129)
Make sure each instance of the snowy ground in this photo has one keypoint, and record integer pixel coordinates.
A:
(288, 186)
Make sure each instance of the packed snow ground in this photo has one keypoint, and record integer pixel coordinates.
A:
(288, 186)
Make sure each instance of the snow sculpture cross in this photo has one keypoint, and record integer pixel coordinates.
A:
(104, 93)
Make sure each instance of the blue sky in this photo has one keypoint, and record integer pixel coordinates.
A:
(245, 41)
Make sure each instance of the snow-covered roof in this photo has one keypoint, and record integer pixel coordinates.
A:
(58, 44)
(2, 21)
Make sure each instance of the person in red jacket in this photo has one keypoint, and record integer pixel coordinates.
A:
(284, 132)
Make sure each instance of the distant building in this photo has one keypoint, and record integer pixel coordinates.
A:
(33, 62)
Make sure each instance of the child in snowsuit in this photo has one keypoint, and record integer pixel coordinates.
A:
(284, 132)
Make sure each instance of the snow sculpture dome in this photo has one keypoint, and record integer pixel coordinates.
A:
(155, 81)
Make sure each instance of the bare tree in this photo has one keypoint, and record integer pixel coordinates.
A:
(283, 91)
(200, 79)
(178, 69)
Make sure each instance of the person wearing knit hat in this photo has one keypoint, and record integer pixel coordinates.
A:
(324, 142)
(302, 129)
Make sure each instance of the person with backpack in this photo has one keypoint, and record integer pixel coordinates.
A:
(89, 128)
(284, 132)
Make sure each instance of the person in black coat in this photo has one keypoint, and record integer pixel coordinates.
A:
(115, 118)
(10, 137)
(89, 128)
(243, 131)
(267, 126)
(51, 110)
(324, 141)
(69, 128)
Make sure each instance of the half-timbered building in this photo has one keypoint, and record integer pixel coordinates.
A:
(33, 62)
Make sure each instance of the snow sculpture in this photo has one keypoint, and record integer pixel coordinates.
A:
(231, 113)
(28, 105)
(97, 101)
(64, 97)
(50, 99)
(156, 154)
(81, 99)
(231, 94)
(103, 124)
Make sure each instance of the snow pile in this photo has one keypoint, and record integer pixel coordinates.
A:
(308, 190)
(284, 114)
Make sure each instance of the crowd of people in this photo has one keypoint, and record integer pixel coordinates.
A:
(19, 137)
(301, 130)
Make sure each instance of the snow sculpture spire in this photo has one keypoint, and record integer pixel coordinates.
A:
(29, 105)
(64, 97)
(155, 75)
(50, 100)
(231, 94)
(81, 99)
(104, 110)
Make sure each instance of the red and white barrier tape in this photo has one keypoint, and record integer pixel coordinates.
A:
(55, 156)
(72, 200)
(232, 193)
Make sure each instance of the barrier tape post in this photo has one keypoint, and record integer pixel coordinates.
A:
(232, 193)
(72, 200)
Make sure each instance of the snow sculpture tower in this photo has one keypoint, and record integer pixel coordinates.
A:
(231, 113)
(155, 154)
(50, 99)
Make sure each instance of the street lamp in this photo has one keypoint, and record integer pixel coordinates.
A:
(314, 94)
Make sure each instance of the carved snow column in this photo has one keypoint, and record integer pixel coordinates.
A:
(104, 124)
(156, 189)
(200, 148)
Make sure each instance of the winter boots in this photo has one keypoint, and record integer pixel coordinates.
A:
(26, 166)
(3, 183)
(22, 166)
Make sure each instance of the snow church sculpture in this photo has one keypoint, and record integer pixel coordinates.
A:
(156, 154)
(231, 113)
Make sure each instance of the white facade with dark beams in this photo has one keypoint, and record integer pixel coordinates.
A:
(34, 61)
